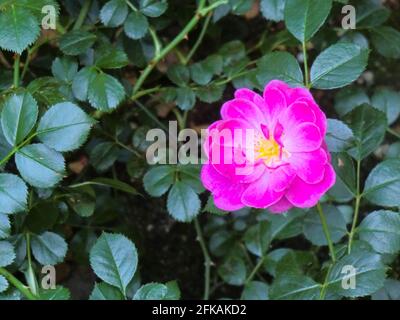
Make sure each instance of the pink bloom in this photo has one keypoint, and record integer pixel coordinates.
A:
(286, 162)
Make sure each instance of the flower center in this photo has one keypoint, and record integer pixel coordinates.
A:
(268, 150)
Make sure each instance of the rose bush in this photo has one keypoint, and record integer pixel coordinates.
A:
(84, 214)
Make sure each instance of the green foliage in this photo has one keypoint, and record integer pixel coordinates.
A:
(76, 186)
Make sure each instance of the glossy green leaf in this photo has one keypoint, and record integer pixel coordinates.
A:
(279, 66)
(258, 238)
(183, 203)
(381, 229)
(386, 40)
(64, 69)
(153, 8)
(48, 248)
(369, 126)
(338, 65)
(390, 291)
(273, 9)
(7, 253)
(294, 287)
(382, 186)
(104, 291)
(349, 98)
(3, 284)
(76, 42)
(59, 293)
(18, 117)
(40, 166)
(13, 193)
(5, 226)
(103, 155)
(151, 291)
(114, 259)
(338, 136)
(303, 18)
(64, 127)
(185, 98)
(388, 101)
(233, 271)
(108, 182)
(255, 290)
(158, 180)
(114, 13)
(369, 273)
(136, 25)
(313, 230)
(19, 28)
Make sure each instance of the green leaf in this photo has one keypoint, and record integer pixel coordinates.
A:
(338, 65)
(349, 98)
(5, 226)
(59, 293)
(386, 40)
(153, 8)
(114, 13)
(370, 13)
(7, 253)
(82, 82)
(174, 293)
(76, 42)
(286, 225)
(303, 18)
(3, 284)
(19, 28)
(18, 117)
(183, 203)
(112, 59)
(210, 93)
(281, 66)
(388, 101)
(313, 230)
(40, 166)
(178, 74)
(345, 186)
(288, 261)
(103, 291)
(255, 290)
(49, 248)
(103, 155)
(258, 238)
(381, 229)
(390, 291)
(294, 287)
(186, 98)
(233, 271)
(211, 208)
(64, 127)
(108, 182)
(151, 291)
(13, 193)
(158, 180)
(382, 186)
(202, 72)
(105, 92)
(136, 25)
(273, 9)
(48, 90)
(114, 260)
(369, 274)
(369, 127)
(64, 69)
(338, 136)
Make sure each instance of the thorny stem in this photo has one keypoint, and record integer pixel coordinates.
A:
(326, 232)
(207, 259)
(356, 208)
(201, 12)
(82, 15)
(18, 284)
(199, 39)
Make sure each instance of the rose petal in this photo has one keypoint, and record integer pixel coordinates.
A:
(305, 137)
(309, 166)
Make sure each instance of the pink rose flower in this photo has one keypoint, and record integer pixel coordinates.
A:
(285, 164)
